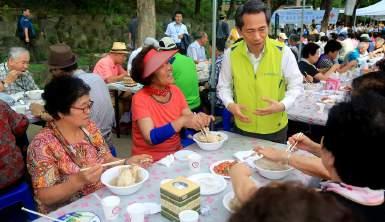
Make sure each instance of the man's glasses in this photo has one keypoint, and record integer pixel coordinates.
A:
(84, 109)
(171, 60)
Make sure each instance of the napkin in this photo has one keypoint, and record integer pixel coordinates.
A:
(167, 160)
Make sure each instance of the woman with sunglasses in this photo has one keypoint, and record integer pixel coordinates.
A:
(70, 142)
(159, 110)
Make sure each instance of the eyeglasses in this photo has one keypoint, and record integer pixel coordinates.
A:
(84, 109)
(171, 60)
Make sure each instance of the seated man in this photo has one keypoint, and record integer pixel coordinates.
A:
(378, 47)
(12, 166)
(110, 67)
(14, 75)
(196, 51)
(360, 54)
(184, 73)
(328, 59)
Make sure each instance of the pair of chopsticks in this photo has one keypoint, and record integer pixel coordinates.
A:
(292, 146)
(118, 162)
(205, 130)
(41, 215)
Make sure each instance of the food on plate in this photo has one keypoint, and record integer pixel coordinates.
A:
(127, 177)
(270, 165)
(128, 81)
(209, 137)
(224, 168)
(234, 204)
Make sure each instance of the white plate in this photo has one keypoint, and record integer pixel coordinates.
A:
(226, 201)
(217, 163)
(182, 155)
(209, 183)
(81, 216)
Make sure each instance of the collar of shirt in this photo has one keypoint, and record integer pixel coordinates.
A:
(255, 60)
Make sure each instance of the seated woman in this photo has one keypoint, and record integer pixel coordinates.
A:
(350, 153)
(12, 166)
(310, 56)
(159, 110)
(296, 203)
(70, 142)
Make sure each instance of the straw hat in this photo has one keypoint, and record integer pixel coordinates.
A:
(154, 59)
(61, 56)
(119, 47)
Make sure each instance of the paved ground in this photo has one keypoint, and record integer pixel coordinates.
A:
(122, 144)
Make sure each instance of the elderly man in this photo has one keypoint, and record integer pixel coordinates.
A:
(259, 79)
(110, 67)
(196, 50)
(14, 75)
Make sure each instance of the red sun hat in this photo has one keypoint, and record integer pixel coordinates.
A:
(154, 59)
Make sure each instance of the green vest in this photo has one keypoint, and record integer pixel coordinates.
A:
(250, 87)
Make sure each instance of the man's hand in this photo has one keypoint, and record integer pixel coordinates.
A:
(180, 36)
(274, 107)
(236, 110)
(12, 76)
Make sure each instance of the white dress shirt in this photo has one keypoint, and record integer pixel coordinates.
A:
(290, 71)
(132, 57)
(174, 30)
(196, 51)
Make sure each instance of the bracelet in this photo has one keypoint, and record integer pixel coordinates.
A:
(288, 158)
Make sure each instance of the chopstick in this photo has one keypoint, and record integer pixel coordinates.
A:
(203, 130)
(291, 147)
(106, 164)
(41, 215)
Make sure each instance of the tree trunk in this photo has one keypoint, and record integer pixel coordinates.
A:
(197, 7)
(327, 6)
(268, 5)
(231, 9)
(146, 20)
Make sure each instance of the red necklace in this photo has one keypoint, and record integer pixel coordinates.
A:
(158, 92)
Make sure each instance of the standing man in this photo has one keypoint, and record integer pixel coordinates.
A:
(133, 31)
(14, 75)
(25, 30)
(177, 29)
(110, 67)
(223, 31)
(259, 79)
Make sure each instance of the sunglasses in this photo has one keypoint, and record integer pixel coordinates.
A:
(171, 60)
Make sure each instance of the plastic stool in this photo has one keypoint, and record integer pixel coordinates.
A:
(19, 194)
(113, 150)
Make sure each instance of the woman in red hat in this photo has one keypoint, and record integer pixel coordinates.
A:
(159, 110)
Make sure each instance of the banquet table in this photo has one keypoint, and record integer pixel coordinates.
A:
(150, 192)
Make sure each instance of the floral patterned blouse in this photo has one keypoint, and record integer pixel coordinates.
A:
(49, 162)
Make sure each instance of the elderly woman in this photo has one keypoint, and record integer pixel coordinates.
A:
(349, 152)
(69, 143)
(159, 110)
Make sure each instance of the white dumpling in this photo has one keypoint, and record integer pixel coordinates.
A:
(125, 178)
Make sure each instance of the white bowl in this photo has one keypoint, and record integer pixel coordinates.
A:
(211, 146)
(34, 94)
(273, 174)
(113, 173)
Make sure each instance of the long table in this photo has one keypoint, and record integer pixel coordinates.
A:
(150, 192)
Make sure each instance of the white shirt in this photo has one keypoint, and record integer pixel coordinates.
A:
(290, 71)
(197, 52)
(174, 30)
(132, 57)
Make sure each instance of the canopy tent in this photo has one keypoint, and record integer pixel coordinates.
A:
(375, 11)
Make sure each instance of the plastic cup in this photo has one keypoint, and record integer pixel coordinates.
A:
(20, 109)
(110, 206)
(194, 162)
(188, 216)
(136, 212)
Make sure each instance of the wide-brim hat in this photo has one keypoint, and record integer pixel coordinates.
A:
(61, 56)
(119, 47)
(154, 59)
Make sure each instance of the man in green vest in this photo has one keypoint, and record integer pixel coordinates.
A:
(184, 73)
(259, 79)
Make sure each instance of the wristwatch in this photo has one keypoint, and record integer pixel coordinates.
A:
(4, 84)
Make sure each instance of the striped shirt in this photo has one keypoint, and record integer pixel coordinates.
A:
(102, 112)
(23, 83)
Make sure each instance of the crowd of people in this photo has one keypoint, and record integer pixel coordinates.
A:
(257, 80)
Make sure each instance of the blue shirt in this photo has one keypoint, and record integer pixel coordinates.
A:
(174, 30)
(24, 22)
(197, 52)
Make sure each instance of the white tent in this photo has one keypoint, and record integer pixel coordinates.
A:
(375, 11)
